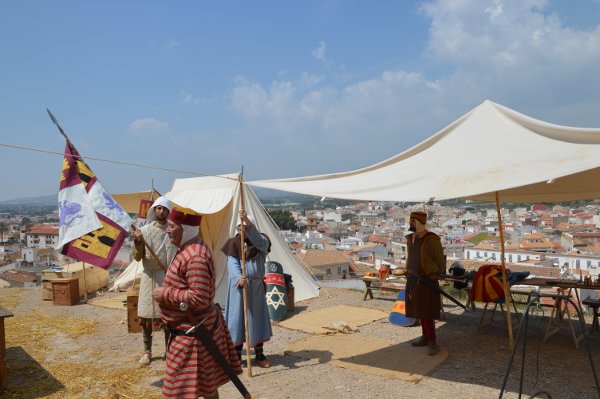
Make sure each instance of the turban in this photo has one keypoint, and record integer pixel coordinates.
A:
(188, 221)
(420, 216)
(162, 201)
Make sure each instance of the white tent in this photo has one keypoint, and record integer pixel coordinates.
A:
(129, 277)
(490, 149)
(217, 198)
(491, 153)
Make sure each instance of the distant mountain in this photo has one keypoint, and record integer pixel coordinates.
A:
(264, 194)
(270, 195)
(46, 200)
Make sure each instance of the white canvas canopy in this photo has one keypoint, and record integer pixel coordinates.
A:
(129, 277)
(490, 149)
(491, 153)
(217, 198)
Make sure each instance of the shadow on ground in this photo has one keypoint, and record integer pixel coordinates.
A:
(22, 370)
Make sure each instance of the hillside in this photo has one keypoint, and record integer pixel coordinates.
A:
(84, 351)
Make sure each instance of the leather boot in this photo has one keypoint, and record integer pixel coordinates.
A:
(433, 349)
(420, 342)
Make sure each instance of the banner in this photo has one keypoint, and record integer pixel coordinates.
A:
(92, 225)
(143, 212)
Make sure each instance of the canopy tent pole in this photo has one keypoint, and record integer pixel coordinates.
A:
(245, 288)
(505, 277)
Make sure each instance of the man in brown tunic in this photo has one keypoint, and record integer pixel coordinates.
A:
(424, 263)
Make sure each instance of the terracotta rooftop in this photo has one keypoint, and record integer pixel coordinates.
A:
(586, 235)
(319, 258)
(378, 239)
(538, 245)
(366, 247)
(47, 229)
(534, 236)
(482, 245)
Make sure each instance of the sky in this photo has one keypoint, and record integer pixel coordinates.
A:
(278, 88)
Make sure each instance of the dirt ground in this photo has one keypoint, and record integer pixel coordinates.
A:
(85, 351)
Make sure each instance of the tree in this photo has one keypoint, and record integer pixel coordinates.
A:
(283, 219)
(3, 229)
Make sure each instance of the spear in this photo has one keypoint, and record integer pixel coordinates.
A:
(60, 129)
(70, 144)
(245, 288)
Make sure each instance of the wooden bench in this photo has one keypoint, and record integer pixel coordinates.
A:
(373, 283)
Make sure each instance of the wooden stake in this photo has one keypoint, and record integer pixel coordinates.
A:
(245, 288)
(84, 284)
(505, 277)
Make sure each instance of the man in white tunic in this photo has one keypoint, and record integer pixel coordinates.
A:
(155, 236)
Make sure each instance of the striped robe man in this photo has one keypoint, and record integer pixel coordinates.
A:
(191, 371)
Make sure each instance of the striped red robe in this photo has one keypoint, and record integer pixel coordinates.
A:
(191, 371)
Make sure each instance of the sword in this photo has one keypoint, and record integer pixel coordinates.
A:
(436, 288)
(199, 331)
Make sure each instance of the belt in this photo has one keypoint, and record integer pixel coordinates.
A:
(176, 332)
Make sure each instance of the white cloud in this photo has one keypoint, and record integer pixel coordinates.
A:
(285, 108)
(497, 34)
(310, 80)
(515, 52)
(188, 98)
(320, 54)
(148, 127)
(172, 44)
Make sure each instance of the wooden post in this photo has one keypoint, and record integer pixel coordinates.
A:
(245, 288)
(505, 277)
(84, 284)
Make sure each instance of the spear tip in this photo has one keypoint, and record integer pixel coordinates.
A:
(51, 116)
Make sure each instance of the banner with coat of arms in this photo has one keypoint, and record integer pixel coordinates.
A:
(92, 225)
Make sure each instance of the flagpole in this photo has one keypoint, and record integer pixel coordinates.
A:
(245, 288)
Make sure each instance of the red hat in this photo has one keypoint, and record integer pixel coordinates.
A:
(180, 216)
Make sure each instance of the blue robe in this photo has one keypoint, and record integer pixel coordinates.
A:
(259, 325)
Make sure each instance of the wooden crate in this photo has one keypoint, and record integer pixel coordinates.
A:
(133, 321)
(46, 290)
(65, 291)
(95, 278)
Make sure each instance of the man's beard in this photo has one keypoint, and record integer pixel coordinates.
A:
(412, 228)
(160, 220)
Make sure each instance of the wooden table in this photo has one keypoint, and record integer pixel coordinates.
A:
(373, 283)
(3, 369)
(560, 308)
